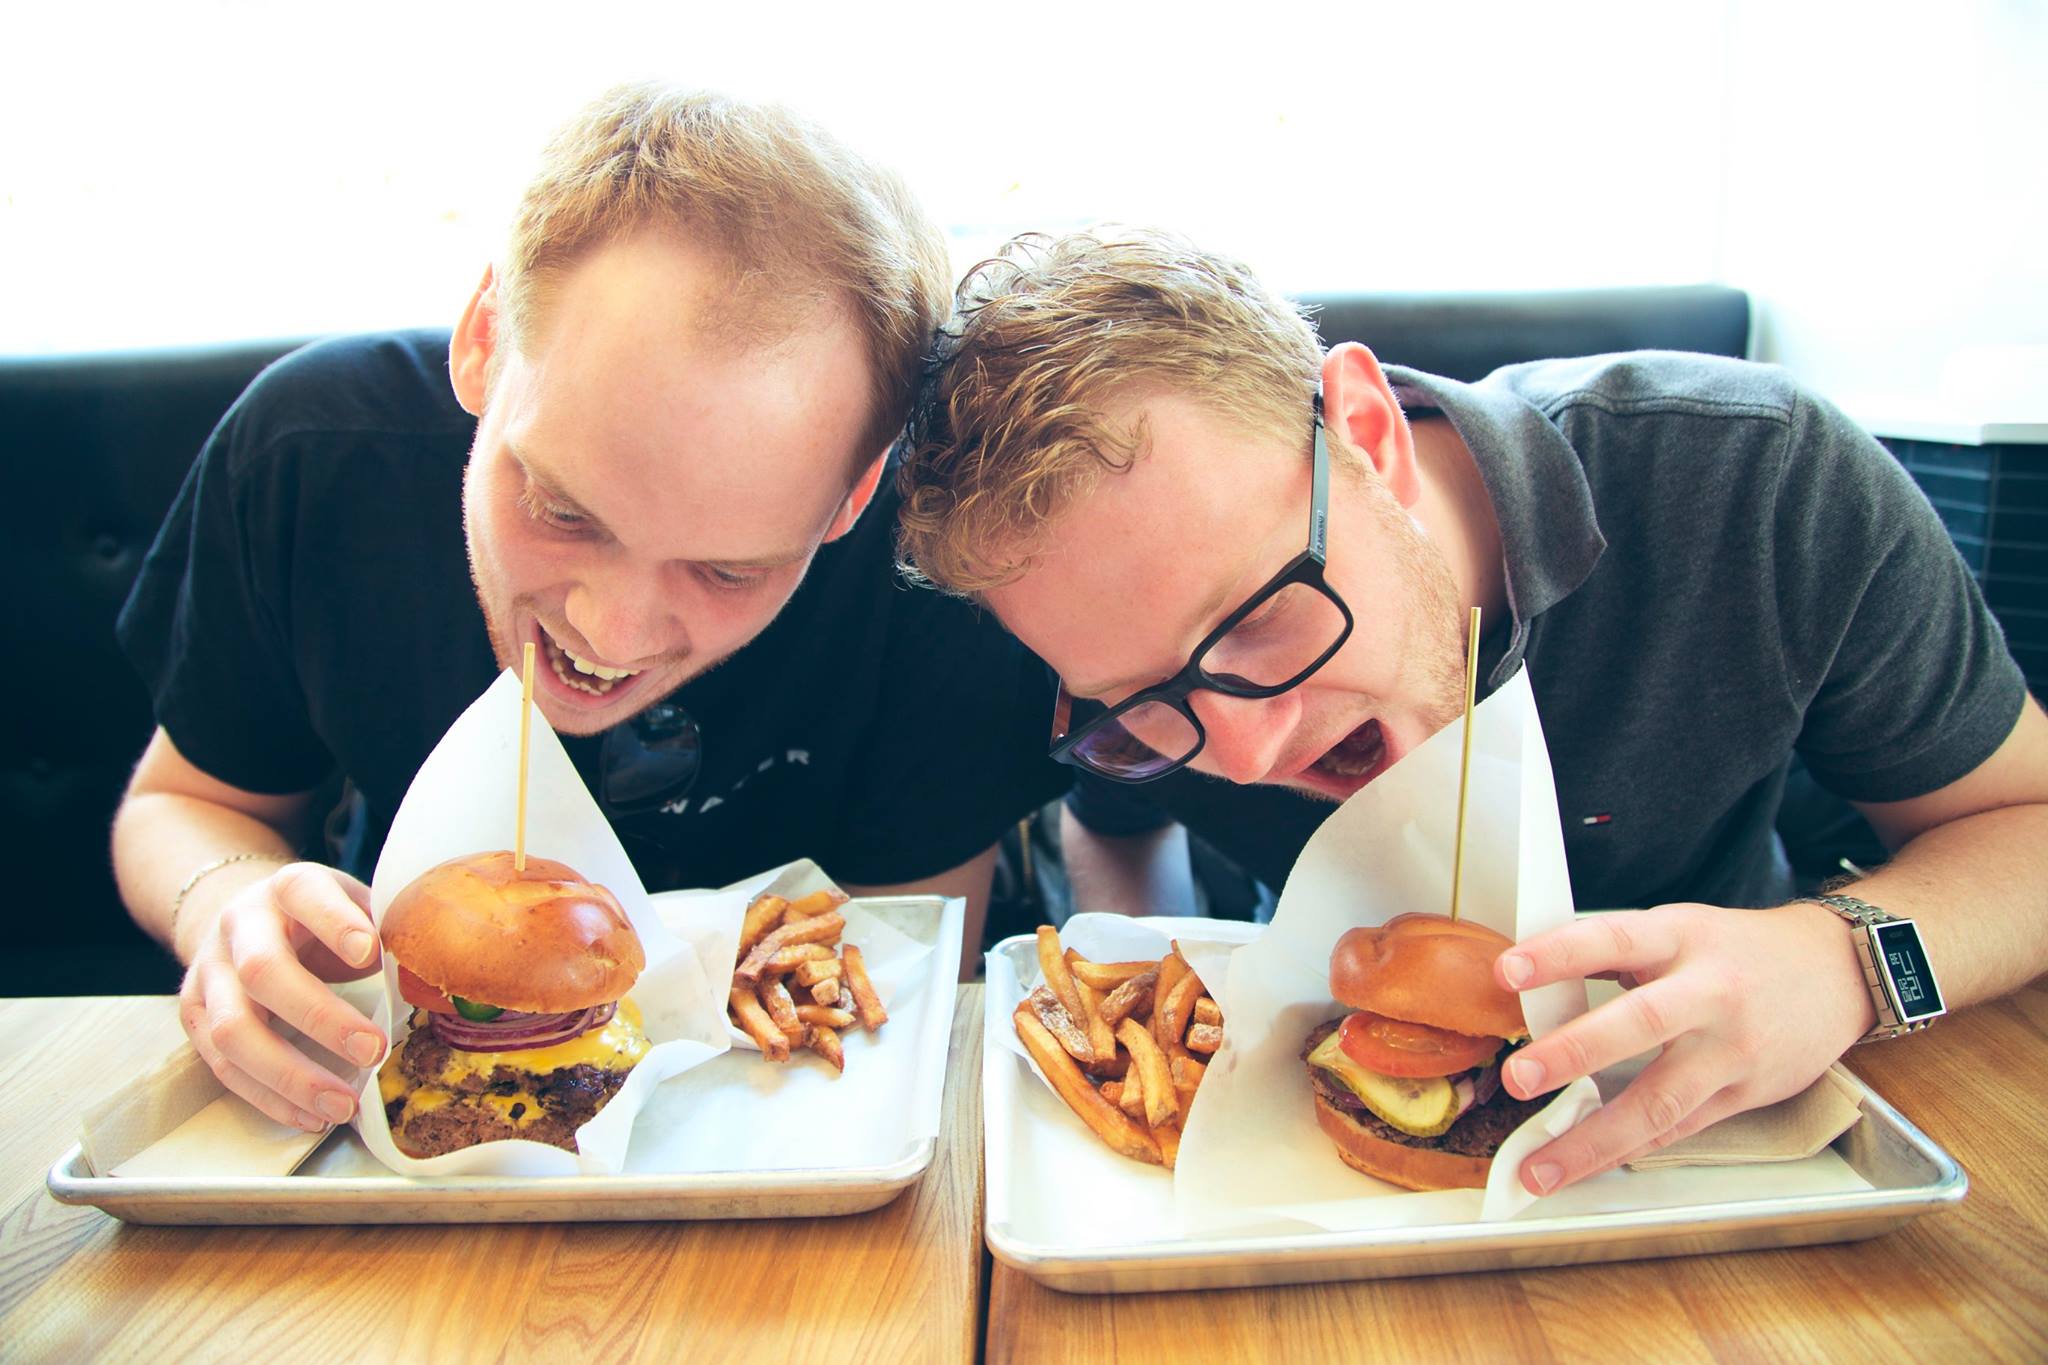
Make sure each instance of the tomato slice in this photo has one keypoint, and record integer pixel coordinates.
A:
(1395, 1047)
(417, 992)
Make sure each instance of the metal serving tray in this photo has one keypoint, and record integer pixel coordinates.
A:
(1909, 1175)
(389, 1198)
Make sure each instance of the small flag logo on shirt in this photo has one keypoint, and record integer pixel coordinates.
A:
(1603, 818)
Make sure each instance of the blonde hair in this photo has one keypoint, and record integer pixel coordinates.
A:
(1045, 337)
(800, 221)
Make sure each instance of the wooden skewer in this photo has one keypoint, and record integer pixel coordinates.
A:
(525, 746)
(1465, 763)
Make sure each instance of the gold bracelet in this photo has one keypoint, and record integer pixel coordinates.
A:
(178, 901)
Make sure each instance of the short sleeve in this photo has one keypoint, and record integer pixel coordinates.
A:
(203, 625)
(1902, 671)
(955, 753)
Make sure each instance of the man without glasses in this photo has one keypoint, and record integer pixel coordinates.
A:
(1250, 559)
(650, 449)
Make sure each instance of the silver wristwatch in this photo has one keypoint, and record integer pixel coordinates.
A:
(1895, 967)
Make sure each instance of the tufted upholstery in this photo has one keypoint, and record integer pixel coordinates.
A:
(97, 446)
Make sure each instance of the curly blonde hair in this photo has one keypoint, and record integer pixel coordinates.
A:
(1047, 336)
(800, 220)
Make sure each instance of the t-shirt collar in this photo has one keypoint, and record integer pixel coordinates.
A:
(1550, 539)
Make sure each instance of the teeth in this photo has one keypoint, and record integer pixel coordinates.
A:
(598, 670)
(600, 679)
(1350, 759)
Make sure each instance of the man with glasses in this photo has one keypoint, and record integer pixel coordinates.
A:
(1249, 559)
(649, 450)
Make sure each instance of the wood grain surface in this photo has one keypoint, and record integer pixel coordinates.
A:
(899, 1285)
(1967, 1284)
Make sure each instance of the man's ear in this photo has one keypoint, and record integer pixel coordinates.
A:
(1358, 403)
(857, 498)
(474, 343)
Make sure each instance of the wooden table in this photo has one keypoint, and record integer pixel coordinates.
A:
(905, 1283)
(1967, 1284)
(901, 1284)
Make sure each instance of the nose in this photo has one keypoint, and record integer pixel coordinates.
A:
(628, 615)
(1246, 737)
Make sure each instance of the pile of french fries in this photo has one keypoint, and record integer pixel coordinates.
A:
(797, 985)
(1118, 1042)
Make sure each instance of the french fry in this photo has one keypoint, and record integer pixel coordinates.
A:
(1187, 1074)
(817, 903)
(1148, 1063)
(865, 1002)
(1172, 968)
(826, 992)
(1132, 1100)
(1167, 1135)
(1053, 965)
(789, 959)
(1113, 1091)
(817, 929)
(763, 915)
(1204, 1037)
(746, 1009)
(1207, 1011)
(1101, 1037)
(1131, 999)
(1170, 1014)
(775, 999)
(1117, 1065)
(1053, 1017)
(818, 968)
(1105, 976)
(821, 1016)
(825, 1042)
(1106, 1120)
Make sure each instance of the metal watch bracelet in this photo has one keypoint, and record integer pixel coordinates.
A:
(1866, 917)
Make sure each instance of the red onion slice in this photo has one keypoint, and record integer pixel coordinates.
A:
(516, 1032)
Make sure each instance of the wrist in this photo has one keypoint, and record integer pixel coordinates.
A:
(206, 891)
(1840, 967)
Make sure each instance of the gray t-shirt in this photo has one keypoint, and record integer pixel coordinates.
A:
(1708, 569)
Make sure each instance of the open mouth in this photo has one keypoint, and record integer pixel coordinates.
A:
(579, 675)
(1356, 759)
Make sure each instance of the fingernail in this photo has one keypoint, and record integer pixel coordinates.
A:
(355, 946)
(312, 1123)
(1517, 968)
(1545, 1176)
(337, 1108)
(365, 1048)
(1525, 1077)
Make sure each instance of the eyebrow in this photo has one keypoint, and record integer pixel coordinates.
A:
(1215, 603)
(775, 559)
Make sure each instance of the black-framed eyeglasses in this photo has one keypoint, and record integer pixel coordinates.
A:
(1284, 632)
(649, 760)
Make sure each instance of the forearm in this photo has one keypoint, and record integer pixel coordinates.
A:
(1978, 889)
(1140, 874)
(161, 839)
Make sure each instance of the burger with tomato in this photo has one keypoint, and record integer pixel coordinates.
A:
(1408, 1085)
(520, 1028)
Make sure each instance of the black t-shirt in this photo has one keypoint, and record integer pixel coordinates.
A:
(307, 609)
(1708, 569)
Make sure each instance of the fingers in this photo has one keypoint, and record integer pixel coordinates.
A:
(1631, 1024)
(333, 906)
(1592, 945)
(224, 1027)
(1669, 1092)
(269, 972)
(1706, 1116)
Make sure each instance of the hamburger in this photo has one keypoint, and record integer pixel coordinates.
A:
(520, 1028)
(1408, 1085)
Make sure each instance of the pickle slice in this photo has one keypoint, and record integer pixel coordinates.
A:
(482, 1014)
(1421, 1106)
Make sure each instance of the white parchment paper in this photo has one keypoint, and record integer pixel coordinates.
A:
(1252, 1150)
(464, 800)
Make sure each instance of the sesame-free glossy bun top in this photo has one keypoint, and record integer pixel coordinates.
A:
(1428, 969)
(542, 941)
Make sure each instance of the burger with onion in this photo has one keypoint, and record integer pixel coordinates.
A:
(1408, 1085)
(519, 1026)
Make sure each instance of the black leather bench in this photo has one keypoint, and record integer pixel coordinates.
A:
(98, 444)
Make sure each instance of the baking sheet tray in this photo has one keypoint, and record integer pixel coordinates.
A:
(342, 1183)
(1136, 1248)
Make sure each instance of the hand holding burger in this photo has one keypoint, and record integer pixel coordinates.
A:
(1408, 1086)
(520, 1029)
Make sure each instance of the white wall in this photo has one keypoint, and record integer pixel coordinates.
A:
(1888, 189)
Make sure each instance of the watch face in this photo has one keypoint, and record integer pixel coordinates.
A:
(1905, 962)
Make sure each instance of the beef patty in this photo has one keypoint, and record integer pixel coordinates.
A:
(1479, 1131)
(569, 1097)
